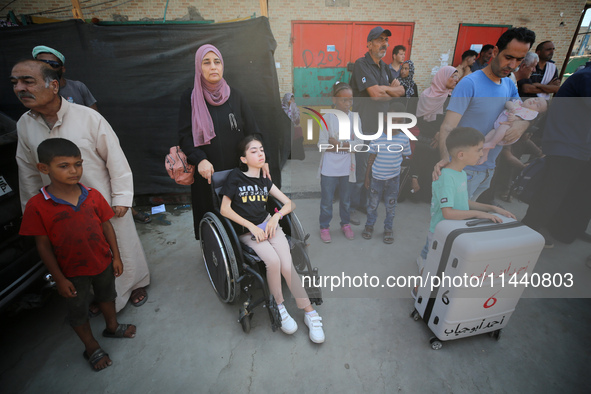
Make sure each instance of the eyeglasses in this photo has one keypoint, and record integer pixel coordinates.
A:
(52, 63)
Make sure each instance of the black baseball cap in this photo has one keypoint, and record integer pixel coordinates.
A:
(376, 32)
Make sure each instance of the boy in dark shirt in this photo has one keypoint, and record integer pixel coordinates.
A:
(77, 243)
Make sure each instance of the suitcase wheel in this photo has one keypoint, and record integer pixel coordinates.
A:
(415, 315)
(495, 334)
(435, 343)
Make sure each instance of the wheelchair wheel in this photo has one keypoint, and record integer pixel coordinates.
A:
(219, 258)
(296, 228)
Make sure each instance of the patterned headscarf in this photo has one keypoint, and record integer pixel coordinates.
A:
(408, 82)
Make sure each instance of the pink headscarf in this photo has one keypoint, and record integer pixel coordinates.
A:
(433, 98)
(215, 94)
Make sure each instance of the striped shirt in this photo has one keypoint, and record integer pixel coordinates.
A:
(389, 155)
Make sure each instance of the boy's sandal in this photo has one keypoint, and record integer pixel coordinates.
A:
(119, 332)
(95, 358)
(388, 237)
(367, 232)
(142, 217)
(93, 310)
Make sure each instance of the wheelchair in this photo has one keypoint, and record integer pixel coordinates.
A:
(235, 270)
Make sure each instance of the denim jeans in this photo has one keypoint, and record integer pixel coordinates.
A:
(386, 190)
(358, 192)
(328, 185)
(478, 182)
(425, 250)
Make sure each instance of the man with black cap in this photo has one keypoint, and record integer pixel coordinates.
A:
(372, 81)
(73, 91)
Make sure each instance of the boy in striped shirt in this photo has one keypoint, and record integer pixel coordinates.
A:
(382, 178)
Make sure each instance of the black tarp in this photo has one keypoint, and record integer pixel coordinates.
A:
(137, 74)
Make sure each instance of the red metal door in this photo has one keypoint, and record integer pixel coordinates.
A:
(322, 51)
(472, 34)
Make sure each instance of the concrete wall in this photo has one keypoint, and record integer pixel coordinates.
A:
(436, 22)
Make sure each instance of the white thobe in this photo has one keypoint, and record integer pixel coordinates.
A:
(105, 168)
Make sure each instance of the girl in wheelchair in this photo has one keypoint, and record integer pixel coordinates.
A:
(244, 202)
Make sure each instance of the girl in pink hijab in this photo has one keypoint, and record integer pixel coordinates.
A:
(433, 98)
(213, 119)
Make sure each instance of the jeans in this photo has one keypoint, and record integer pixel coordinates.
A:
(388, 191)
(425, 250)
(478, 182)
(328, 185)
(358, 192)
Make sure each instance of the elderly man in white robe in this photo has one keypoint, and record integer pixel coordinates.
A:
(105, 167)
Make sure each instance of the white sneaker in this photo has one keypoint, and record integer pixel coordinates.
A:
(288, 325)
(314, 323)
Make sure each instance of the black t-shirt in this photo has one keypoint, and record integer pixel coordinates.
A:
(367, 73)
(249, 196)
(525, 81)
(538, 74)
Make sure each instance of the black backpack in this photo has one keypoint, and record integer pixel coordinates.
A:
(526, 185)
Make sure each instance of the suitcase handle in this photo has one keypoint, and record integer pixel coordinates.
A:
(476, 222)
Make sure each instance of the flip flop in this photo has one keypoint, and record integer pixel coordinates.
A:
(142, 217)
(95, 358)
(388, 237)
(119, 332)
(143, 292)
(367, 232)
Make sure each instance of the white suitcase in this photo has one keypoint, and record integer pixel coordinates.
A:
(466, 289)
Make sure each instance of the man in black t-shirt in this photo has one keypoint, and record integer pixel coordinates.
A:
(545, 76)
(486, 54)
(373, 78)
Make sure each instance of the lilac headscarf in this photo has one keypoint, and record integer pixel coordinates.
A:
(215, 94)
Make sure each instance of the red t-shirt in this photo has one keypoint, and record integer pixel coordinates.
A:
(75, 232)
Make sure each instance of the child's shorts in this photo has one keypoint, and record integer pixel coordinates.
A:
(104, 291)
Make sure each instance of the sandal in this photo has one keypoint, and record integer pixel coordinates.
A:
(95, 358)
(142, 217)
(93, 310)
(367, 232)
(136, 294)
(388, 237)
(119, 332)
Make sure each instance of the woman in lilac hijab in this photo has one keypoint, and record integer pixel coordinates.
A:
(213, 119)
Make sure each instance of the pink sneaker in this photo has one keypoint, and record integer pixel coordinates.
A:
(348, 231)
(325, 235)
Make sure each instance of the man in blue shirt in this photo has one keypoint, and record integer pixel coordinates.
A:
(479, 98)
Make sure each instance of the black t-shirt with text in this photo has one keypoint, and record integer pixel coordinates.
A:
(249, 196)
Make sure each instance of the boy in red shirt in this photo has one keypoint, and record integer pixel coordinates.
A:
(77, 243)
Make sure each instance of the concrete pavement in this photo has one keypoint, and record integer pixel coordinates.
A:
(189, 342)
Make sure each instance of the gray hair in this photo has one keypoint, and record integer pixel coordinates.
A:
(49, 75)
(530, 59)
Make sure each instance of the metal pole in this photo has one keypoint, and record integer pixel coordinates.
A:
(165, 9)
